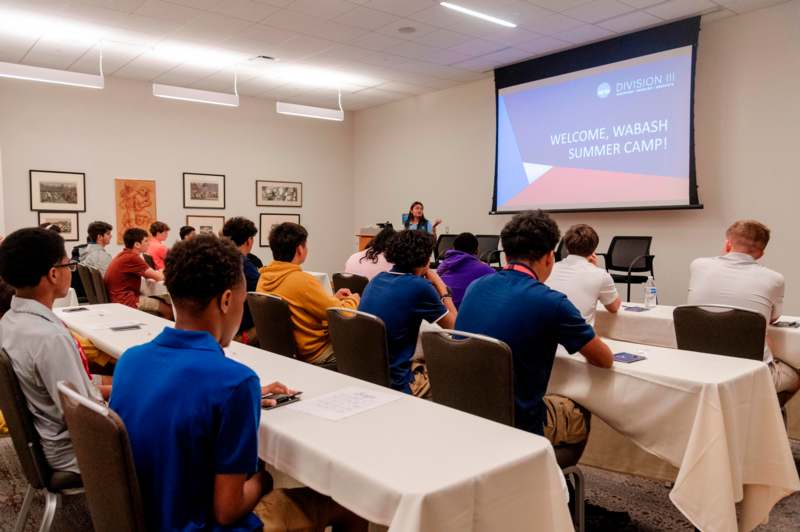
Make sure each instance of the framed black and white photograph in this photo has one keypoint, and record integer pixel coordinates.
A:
(67, 223)
(203, 191)
(279, 194)
(211, 225)
(57, 191)
(267, 221)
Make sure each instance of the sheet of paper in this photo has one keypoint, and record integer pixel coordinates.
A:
(344, 403)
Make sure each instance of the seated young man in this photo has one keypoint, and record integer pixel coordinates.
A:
(402, 298)
(42, 350)
(515, 306)
(461, 266)
(307, 299)
(242, 231)
(196, 452)
(187, 232)
(124, 276)
(580, 279)
(94, 254)
(159, 231)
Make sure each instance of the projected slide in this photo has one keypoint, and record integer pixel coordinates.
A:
(606, 137)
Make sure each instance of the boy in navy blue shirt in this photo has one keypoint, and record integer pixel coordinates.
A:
(195, 447)
(243, 231)
(515, 306)
(402, 298)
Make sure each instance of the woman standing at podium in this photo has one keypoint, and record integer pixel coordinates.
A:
(415, 219)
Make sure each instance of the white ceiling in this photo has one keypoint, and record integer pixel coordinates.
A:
(352, 44)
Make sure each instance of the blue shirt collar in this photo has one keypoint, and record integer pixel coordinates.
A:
(183, 339)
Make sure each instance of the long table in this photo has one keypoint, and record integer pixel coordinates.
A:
(714, 418)
(410, 464)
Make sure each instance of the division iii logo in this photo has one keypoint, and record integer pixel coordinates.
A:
(603, 90)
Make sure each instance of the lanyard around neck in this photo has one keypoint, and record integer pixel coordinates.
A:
(522, 268)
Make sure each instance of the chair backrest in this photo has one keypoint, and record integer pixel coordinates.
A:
(443, 243)
(720, 330)
(100, 289)
(471, 372)
(356, 283)
(273, 321)
(149, 260)
(104, 455)
(486, 245)
(561, 251)
(88, 283)
(20, 425)
(629, 252)
(359, 341)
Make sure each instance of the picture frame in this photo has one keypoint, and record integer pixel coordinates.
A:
(279, 193)
(206, 224)
(57, 191)
(66, 221)
(266, 220)
(203, 191)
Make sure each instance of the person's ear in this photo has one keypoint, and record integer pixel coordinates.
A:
(728, 246)
(226, 301)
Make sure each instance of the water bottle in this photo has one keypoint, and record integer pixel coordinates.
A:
(650, 293)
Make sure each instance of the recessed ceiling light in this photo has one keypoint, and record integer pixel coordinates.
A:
(478, 14)
(407, 29)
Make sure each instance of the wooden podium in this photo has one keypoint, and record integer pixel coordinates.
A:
(363, 240)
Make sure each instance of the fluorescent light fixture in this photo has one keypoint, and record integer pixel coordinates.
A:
(309, 111)
(478, 14)
(51, 75)
(172, 92)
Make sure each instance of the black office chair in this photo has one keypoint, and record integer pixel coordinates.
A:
(100, 289)
(561, 251)
(359, 341)
(149, 260)
(460, 363)
(720, 330)
(88, 284)
(629, 254)
(106, 461)
(487, 245)
(495, 259)
(443, 243)
(27, 444)
(356, 283)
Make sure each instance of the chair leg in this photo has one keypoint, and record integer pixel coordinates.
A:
(52, 502)
(26, 507)
(580, 504)
(629, 290)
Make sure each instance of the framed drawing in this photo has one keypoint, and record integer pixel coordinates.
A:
(57, 191)
(67, 222)
(269, 220)
(203, 191)
(279, 194)
(206, 224)
(136, 204)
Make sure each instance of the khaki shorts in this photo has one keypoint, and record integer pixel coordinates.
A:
(420, 385)
(149, 304)
(567, 422)
(303, 509)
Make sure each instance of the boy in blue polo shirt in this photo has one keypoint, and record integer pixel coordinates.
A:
(515, 306)
(195, 447)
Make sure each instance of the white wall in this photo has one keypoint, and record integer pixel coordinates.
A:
(123, 131)
(439, 148)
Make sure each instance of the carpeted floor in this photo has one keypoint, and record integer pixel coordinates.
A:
(616, 503)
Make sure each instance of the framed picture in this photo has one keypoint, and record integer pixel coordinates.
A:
(135, 203)
(67, 222)
(269, 220)
(57, 191)
(279, 194)
(203, 191)
(206, 224)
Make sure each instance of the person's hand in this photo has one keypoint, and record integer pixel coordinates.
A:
(437, 221)
(275, 387)
(343, 293)
(593, 259)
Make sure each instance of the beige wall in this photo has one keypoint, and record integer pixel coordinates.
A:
(439, 148)
(123, 131)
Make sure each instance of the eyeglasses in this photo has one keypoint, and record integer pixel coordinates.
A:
(72, 265)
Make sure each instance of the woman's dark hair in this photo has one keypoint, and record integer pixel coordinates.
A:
(198, 270)
(466, 242)
(408, 250)
(158, 227)
(378, 244)
(422, 224)
(284, 239)
(185, 231)
(98, 229)
(239, 229)
(133, 235)
(26, 255)
(530, 235)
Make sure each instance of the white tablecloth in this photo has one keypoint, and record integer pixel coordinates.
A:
(70, 300)
(410, 464)
(715, 418)
(324, 280)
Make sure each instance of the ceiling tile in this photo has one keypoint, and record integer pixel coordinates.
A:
(560, 5)
(146, 67)
(641, 4)
(55, 53)
(402, 7)
(420, 29)
(198, 4)
(245, 10)
(314, 26)
(322, 8)
(716, 15)
(257, 86)
(543, 45)
(13, 48)
(161, 10)
(300, 47)
(630, 22)
(403, 88)
(743, 6)
(126, 6)
(115, 56)
(443, 39)
(552, 24)
(263, 34)
(599, 10)
(585, 34)
(421, 52)
(674, 9)
(277, 3)
(476, 47)
(185, 75)
(491, 61)
(212, 28)
(370, 19)
(376, 41)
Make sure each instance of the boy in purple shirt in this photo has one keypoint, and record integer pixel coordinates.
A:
(461, 266)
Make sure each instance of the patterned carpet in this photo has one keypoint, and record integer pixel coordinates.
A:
(616, 503)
